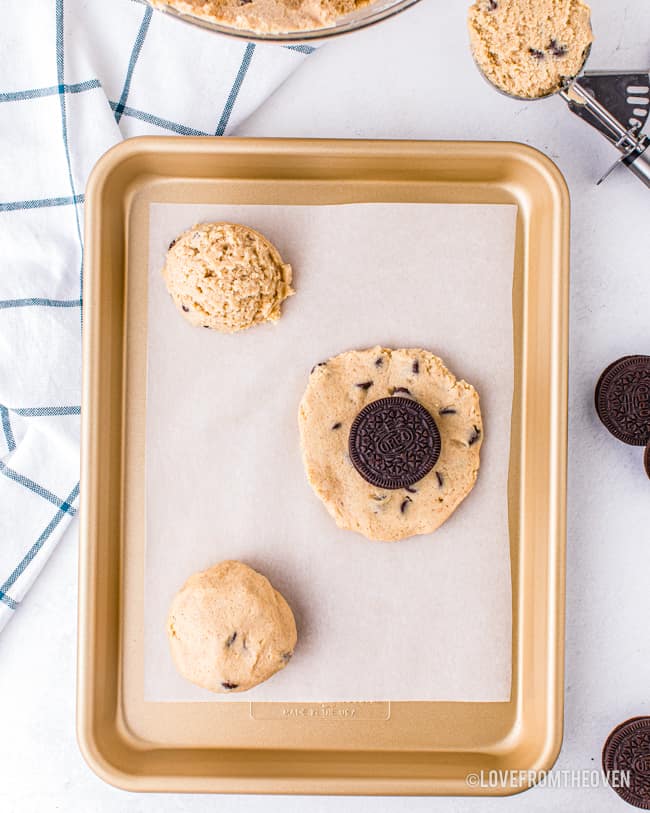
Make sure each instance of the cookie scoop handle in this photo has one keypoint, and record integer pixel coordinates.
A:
(630, 142)
(640, 165)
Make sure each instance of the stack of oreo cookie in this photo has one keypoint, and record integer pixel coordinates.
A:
(623, 401)
(623, 405)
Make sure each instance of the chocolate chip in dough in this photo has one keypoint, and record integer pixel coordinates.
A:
(556, 50)
(404, 504)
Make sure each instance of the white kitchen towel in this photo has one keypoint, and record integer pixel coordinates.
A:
(77, 76)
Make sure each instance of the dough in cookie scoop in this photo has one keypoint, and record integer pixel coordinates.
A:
(342, 388)
(229, 629)
(226, 277)
(529, 48)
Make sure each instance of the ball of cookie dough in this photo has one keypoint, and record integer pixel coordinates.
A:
(339, 390)
(226, 277)
(229, 629)
(528, 48)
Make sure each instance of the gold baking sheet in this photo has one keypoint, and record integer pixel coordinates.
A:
(385, 747)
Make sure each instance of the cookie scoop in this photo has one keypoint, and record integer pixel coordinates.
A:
(533, 49)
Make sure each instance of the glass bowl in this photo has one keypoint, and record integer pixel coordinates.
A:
(365, 16)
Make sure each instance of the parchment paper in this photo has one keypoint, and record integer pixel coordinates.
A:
(423, 619)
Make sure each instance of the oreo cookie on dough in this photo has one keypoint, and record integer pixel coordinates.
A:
(390, 440)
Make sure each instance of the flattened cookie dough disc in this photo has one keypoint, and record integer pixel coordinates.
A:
(528, 48)
(226, 277)
(339, 389)
(229, 629)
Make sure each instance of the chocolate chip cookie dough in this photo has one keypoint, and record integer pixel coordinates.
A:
(390, 440)
(229, 629)
(528, 47)
(267, 16)
(226, 277)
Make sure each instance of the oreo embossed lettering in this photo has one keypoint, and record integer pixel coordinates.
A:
(394, 442)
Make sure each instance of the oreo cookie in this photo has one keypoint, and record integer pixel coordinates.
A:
(394, 442)
(646, 459)
(623, 399)
(626, 761)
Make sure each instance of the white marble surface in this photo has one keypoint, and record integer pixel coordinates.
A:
(413, 78)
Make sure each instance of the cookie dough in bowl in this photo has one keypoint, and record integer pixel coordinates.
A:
(229, 629)
(528, 48)
(390, 440)
(226, 277)
(267, 16)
